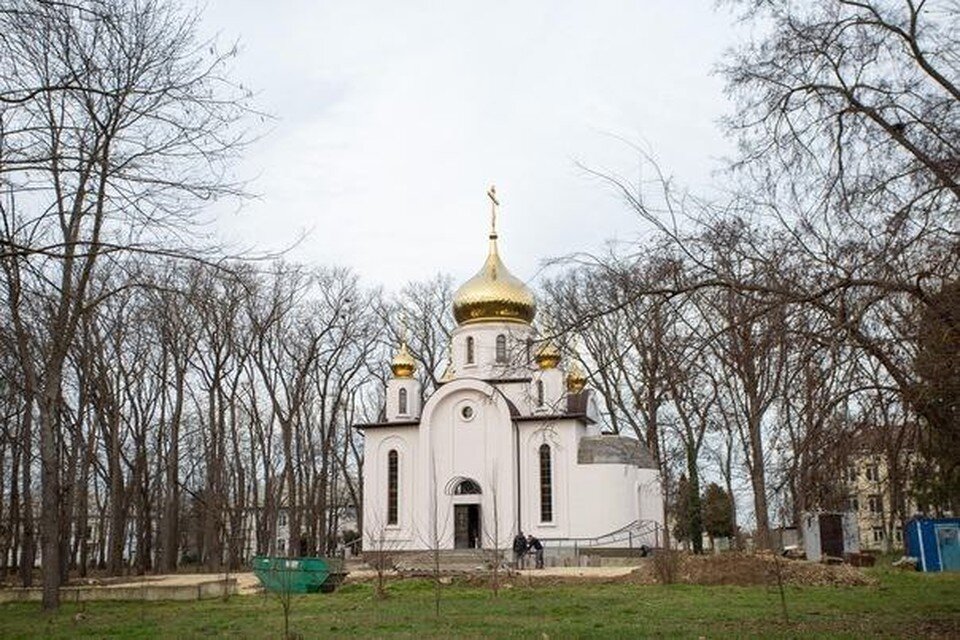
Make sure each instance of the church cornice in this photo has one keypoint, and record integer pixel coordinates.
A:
(582, 417)
(490, 381)
(395, 423)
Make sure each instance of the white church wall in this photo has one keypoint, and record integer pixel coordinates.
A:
(485, 365)
(518, 393)
(556, 435)
(606, 498)
(379, 533)
(649, 495)
(412, 387)
(554, 391)
(457, 445)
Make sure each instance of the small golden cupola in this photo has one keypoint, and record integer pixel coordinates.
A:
(576, 378)
(403, 364)
(548, 356)
(494, 294)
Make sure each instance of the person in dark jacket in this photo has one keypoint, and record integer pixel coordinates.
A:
(537, 547)
(519, 550)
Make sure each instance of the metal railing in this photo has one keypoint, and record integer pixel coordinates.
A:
(636, 535)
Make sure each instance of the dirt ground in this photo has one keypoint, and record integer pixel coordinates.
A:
(751, 569)
(587, 573)
(247, 583)
(727, 568)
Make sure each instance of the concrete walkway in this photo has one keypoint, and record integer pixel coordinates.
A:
(247, 583)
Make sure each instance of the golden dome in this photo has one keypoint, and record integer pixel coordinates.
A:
(576, 378)
(548, 357)
(494, 294)
(403, 364)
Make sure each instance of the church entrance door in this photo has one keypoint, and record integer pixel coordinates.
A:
(466, 526)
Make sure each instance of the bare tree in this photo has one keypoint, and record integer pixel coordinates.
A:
(847, 114)
(113, 124)
(420, 316)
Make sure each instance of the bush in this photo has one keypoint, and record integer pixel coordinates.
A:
(666, 565)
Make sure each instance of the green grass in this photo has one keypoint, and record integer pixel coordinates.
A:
(902, 605)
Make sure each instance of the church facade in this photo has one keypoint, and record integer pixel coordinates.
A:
(510, 441)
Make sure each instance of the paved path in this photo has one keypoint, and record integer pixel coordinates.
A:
(247, 583)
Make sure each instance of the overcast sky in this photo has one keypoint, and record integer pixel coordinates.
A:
(393, 118)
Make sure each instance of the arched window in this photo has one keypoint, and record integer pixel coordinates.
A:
(546, 485)
(467, 488)
(393, 486)
(501, 348)
(539, 393)
(402, 402)
(469, 349)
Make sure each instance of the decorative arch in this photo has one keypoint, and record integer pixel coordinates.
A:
(462, 486)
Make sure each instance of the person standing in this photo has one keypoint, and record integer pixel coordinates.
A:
(519, 550)
(537, 547)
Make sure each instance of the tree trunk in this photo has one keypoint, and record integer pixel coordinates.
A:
(50, 489)
(170, 528)
(758, 482)
(696, 514)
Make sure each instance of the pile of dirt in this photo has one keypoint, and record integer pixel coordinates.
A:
(756, 569)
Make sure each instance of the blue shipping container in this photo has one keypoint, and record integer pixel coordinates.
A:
(935, 542)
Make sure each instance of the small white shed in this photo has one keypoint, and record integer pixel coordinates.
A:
(830, 534)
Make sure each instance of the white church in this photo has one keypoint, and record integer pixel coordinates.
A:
(510, 441)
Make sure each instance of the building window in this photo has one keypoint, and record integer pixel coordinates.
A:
(900, 506)
(467, 488)
(878, 534)
(281, 545)
(469, 349)
(851, 474)
(402, 408)
(529, 351)
(539, 393)
(501, 348)
(282, 519)
(393, 486)
(853, 503)
(898, 535)
(873, 475)
(546, 485)
(875, 504)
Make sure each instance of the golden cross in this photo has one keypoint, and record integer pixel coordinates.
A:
(494, 203)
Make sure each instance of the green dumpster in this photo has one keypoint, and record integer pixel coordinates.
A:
(298, 575)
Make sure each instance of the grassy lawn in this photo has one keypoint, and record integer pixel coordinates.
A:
(903, 605)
